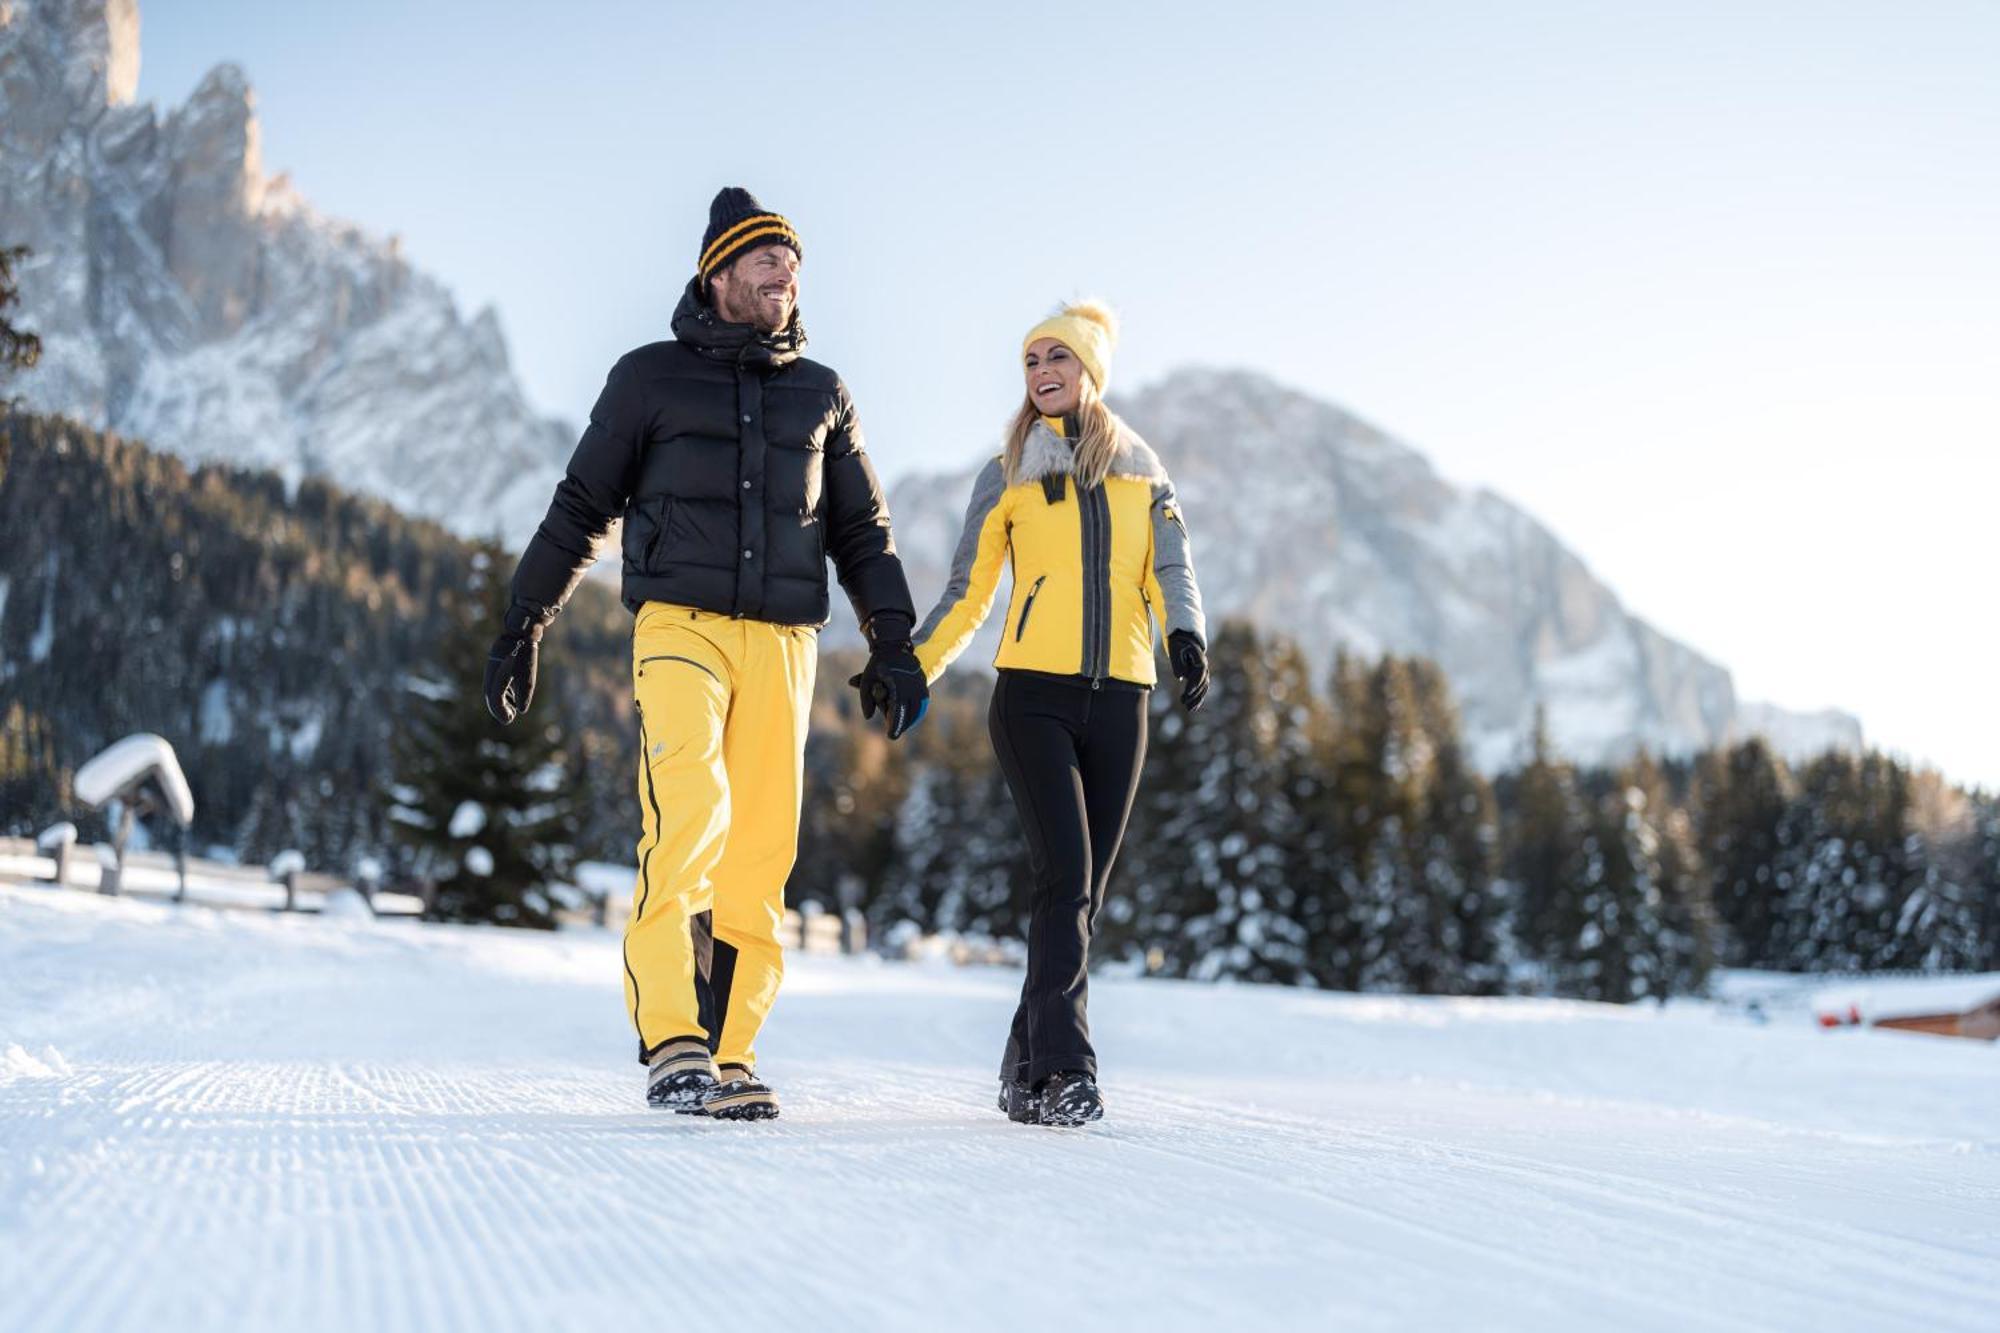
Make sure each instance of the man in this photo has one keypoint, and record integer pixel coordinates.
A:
(737, 466)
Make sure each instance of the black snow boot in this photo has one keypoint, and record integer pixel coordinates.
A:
(740, 1096)
(1069, 1098)
(681, 1077)
(1018, 1100)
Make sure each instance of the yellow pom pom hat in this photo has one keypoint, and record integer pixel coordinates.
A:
(1087, 328)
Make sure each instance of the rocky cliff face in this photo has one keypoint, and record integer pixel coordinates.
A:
(186, 298)
(1310, 521)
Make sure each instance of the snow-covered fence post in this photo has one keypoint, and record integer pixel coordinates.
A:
(112, 882)
(140, 768)
(368, 879)
(853, 926)
(56, 840)
(285, 869)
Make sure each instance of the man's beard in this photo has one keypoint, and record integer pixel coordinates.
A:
(747, 306)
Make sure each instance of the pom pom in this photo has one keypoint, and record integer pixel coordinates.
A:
(1096, 312)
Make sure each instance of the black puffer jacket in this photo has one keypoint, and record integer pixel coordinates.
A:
(738, 468)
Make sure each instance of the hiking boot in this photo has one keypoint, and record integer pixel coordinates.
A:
(740, 1096)
(1018, 1100)
(1069, 1098)
(681, 1077)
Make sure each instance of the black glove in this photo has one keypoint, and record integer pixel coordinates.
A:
(510, 663)
(893, 681)
(1190, 662)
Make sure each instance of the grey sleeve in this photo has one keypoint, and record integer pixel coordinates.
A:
(1173, 564)
(987, 489)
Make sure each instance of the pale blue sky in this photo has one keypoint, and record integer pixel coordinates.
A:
(1713, 289)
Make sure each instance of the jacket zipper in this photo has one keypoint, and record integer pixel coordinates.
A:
(1022, 626)
(1094, 510)
(676, 657)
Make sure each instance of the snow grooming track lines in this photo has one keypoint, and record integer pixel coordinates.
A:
(1593, 1209)
(212, 1120)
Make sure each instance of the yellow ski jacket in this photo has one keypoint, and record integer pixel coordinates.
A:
(1093, 571)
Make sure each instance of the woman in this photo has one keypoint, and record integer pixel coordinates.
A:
(1082, 512)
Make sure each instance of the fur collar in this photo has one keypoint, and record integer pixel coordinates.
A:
(1047, 454)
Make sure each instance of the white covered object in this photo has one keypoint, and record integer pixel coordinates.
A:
(346, 905)
(56, 835)
(1874, 999)
(128, 762)
(287, 863)
(468, 819)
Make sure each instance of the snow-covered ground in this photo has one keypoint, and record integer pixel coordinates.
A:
(227, 1120)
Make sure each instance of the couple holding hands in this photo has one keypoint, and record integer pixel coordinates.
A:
(738, 468)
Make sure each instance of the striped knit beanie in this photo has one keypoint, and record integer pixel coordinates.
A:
(737, 222)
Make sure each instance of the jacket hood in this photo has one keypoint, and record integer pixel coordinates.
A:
(698, 325)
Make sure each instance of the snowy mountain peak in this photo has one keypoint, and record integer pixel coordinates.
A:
(187, 299)
(226, 86)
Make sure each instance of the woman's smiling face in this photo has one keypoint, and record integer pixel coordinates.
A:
(1055, 377)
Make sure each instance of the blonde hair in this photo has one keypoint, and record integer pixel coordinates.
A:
(1096, 444)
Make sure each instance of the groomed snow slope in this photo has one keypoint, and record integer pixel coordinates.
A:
(221, 1120)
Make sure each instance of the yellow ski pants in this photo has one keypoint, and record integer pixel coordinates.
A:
(723, 706)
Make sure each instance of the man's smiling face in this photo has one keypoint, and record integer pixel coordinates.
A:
(760, 288)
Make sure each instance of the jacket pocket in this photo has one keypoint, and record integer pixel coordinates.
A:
(1021, 627)
(663, 515)
(676, 657)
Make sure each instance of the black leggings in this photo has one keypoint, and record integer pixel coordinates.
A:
(1071, 755)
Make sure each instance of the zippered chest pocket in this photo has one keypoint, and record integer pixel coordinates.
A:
(1021, 626)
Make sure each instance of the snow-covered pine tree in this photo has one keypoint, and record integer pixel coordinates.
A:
(1892, 857)
(1641, 927)
(483, 813)
(1219, 822)
(1457, 835)
(1741, 796)
(1938, 929)
(1848, 834)
(30, 773)
(1809, 931)
(1270, 901)
(959, 861)
(1410, 839)
(1395, 918)
(1544, 852)
(1986, 843)
(1689, 911)
(1149, 909)
(1603, 928)
(853, 789)
(926, 823)
(1338, 829)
